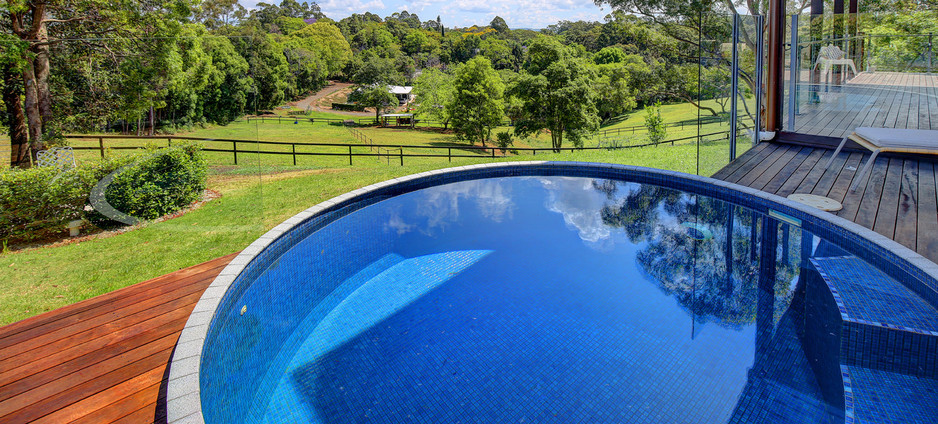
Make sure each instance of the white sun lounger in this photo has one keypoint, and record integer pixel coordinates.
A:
(892, 140)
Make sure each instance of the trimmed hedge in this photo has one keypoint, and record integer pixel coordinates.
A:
(160, 182)
(348, 106)
(38, 203)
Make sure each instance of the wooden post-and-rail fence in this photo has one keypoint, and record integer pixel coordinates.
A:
(375, 150)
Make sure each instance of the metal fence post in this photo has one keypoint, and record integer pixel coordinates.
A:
(449, 153)
(760, 50)
(794, 73)
(350, 155)
(734, 87)
(234, 149)
(101, 145)
(929, 51)
(402, 156)
(294, 153)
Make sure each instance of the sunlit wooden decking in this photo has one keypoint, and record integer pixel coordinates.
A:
(871, 99)
(898, 199)
(102, 360)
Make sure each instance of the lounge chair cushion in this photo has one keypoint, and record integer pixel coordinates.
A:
(890, 138)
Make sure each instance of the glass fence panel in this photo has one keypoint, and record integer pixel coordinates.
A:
(279, 129)
(864, 70)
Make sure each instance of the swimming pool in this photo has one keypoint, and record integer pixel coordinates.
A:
(561, 292)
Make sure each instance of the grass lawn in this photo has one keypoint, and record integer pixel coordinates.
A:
(262, 191)
(632, 125)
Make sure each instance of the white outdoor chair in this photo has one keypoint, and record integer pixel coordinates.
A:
(831, 56)
(893, 140)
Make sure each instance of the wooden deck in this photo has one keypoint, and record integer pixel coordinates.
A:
(102, 360)
(879, 99)
(897, 200)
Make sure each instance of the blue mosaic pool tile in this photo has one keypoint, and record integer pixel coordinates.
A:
(884, 324)
(883, 397)
(867, 296)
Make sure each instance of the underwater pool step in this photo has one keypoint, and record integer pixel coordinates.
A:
(883, 325)
(876, 396)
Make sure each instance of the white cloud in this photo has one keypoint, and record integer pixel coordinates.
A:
(580, 205)
(347, 7)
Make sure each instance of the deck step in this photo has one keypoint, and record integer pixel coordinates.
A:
(876, 396)
(885, 325)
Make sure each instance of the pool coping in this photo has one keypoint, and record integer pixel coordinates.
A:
(183, 391)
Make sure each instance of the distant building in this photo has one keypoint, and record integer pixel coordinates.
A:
(403, 93)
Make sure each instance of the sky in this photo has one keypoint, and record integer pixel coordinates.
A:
(532, 14)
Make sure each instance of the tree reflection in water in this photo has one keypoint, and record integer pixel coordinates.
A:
(714, 279)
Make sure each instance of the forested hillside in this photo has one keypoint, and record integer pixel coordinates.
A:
(111, 65)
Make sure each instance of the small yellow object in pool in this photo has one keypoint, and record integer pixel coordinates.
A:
(244, 309)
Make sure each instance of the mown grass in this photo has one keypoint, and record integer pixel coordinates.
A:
(260, 192)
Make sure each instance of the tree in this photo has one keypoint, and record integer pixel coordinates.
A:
(433, 90)
(499, 24)
(498, 52)
(374, 69)
(561, 99)
(654, 123)
(609, 55)
(476, 106)
(377, 96)
(327, 41)
(615, 94)
(225, 95)
(11, 65)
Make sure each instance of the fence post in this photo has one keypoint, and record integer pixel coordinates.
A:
(449, 153)
(101, 145)
(234, 149)
(169, 141)
(402, 156)
(929, 52)
(350, 155)
(493, 152)
(294, 153)
(534, 151)
(734, 83)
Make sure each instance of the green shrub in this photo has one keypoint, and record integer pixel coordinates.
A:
(654, 123)
(349, 107)
(38, 203)
(503, 140)
(159, 182)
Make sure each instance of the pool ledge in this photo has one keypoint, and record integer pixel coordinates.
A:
(183, 393)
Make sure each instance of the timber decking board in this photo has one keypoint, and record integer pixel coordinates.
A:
(869, 204)
(908, 205)
(111, 371)
(870, 99)
(927, 227)
(886, 213)
(898, 198)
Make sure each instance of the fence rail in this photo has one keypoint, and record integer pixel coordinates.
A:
(633, 128)
(387, 151)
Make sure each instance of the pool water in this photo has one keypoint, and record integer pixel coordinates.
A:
(534, 299)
